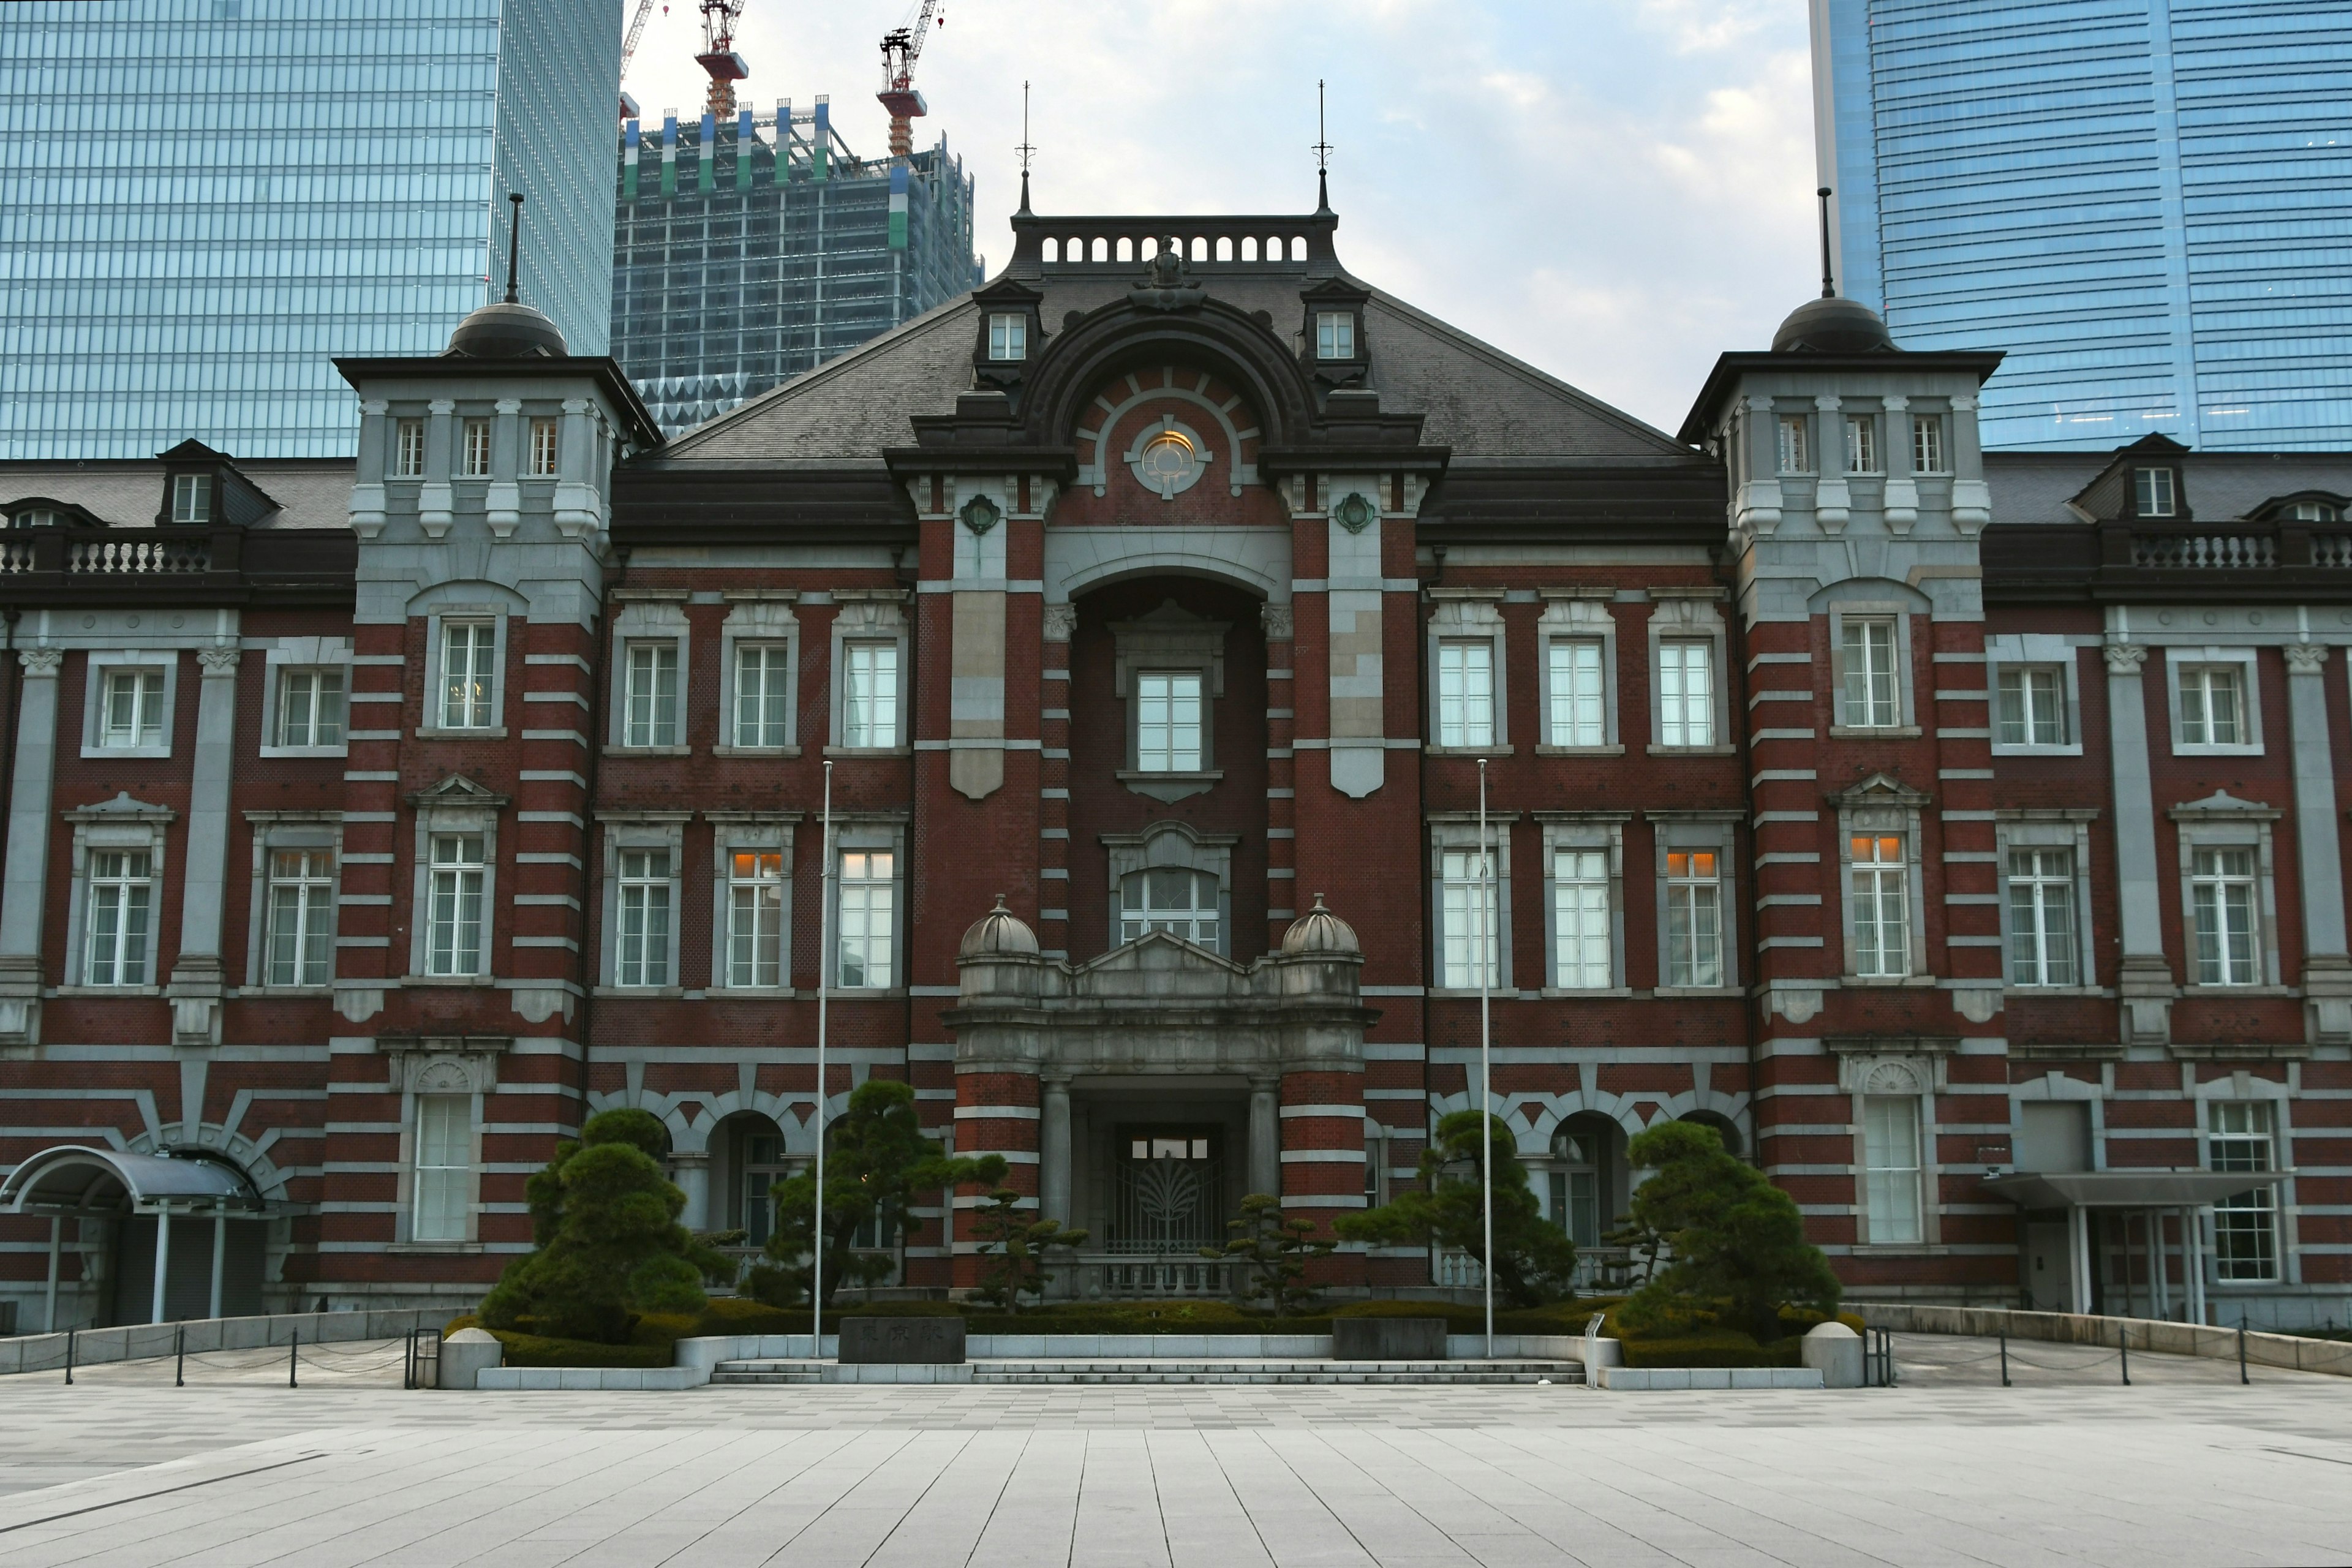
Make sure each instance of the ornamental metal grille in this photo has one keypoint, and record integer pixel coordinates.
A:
(1166, 1192)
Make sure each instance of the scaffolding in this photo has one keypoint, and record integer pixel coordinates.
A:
(749, 250)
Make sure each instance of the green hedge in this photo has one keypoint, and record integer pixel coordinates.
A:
(1703, 1342)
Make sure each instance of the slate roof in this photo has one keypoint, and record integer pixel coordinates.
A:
(127, 493)
(2033, 487)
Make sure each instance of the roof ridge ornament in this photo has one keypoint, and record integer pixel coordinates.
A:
(1167, 281)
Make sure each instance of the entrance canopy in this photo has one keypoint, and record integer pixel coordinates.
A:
(2127, 1189)
(71, 1179)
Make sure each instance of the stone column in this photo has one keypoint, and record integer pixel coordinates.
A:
(1054, 1149)
(26, 880)
(1833, 496)
(2145, 980)
(503, 500)
(690, 1169)
(434, 499)
(1265, 1136)
(2326, 966)
(199, 977)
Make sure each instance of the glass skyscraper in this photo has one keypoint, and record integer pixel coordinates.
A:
(2147, 203)
(202, 201)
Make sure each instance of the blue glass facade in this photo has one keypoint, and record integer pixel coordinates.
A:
(202, 201)
(2147, 203)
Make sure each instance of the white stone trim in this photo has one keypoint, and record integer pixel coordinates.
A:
(285, 654)
(95, 666)
(664, 830)
(2250, 694)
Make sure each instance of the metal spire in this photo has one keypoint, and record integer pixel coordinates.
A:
(1829, 282)
(1322, 151)
(1025, 148)
(514, 247)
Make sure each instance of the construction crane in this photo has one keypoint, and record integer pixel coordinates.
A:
(629, 50)
(901, 46)
(719, 59)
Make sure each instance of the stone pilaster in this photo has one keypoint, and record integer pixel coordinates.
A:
(199, 978)
(2319, 859)
(26, 878)
(2145, 979)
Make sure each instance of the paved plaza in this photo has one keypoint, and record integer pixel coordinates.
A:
(2066, 1466)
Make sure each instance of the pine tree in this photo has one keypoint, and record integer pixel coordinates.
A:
(1275, 1252)
(1733, 1238)
(1534, 1260)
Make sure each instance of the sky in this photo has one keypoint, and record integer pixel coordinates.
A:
(1613, 190)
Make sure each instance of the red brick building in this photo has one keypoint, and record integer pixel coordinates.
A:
(1959, 835)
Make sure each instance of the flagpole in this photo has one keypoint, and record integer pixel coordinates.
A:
(1485, 1062)
(823, 984)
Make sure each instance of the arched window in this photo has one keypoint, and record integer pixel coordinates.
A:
(1052, 250)
(1249, 248)
(1171, 899)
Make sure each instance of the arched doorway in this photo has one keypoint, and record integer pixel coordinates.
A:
(186, 1234)
(1584, 1191)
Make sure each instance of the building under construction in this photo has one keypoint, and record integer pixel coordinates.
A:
(750, 248)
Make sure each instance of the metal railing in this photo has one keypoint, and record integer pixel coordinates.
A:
(1125, 1278)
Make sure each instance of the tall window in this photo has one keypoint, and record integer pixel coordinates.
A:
(1579, 694)
(1580, 919)
(453, 905)
(192, 498)
(1873, 698)
(2212, 705)
(1694, 918)
(1466, 692)
(1686, 694)
(868, 900)
(2032, 705)
(311, 708)
(1882, 908)
(1862, 443)
(1796, 449)
(121, 912)
(1170, 899)
(469, 680)
(652, 695)
(1928, 444)
(1576, 1186)
(641, 955)
(1008, 335)
(444, 1167)
(2222, 894)
(543, 449)
(2245, 1226)
(133, 713)
(1334, 334)
(2042, 918)
(475, 441)
(763, 693)
(1890, 1168)
(869, 694)
(408, 448)
(1464, 907)
(2152, 491)
(762, 1159)
(301, 917)
(755, 918)
(1167, 722)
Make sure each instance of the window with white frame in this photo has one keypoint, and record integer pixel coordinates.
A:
(192, 498)
(454, 887)
(1582, 919)
(1795, 445)
(2315, 512)
(1466, 692)
(1694, 918)
(1168, 713)
(651, 695)
(1575, 1185)
(1181, 902)
(1892, 1167)
(474, 444)
(1469, 910)
(1578, 692)
(1685, 694)
(1874, 691)
(1008, 335)
(867, 902)
(1881, 905)
(2222, 890)
(1334, 334)
(2242, 1136)
(2031, 705)
(2042, 918)
(408, 448)
(756, 889)
(763, 677)
(1862, 443)
(131, 707)
(310, 707)
(2212, 704)
(1928, 444)
(300, 939)
(869, 694)
(2152, 493)
(543, 449)
(443, 1182)
(469, 684)
(117, 947)
(641, 937)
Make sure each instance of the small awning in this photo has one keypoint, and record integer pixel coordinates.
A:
(2127, 1189)
(72, 1179)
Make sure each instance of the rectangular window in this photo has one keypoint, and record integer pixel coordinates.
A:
(1694, 918)
(763, 693)
(543, 449)
(1686, 694)
(2042, 918)
(122, 911)
(868, 901)
(642, 938)
(476, 445)
(311, 708)
(408, 448)
(301, 917)
(1862, 444)
(2212, 705)
(2245, 1227)
(1008, 336)
(651, 717)
(1928, 444)
(192, 498)
(1464, 905)
(469, 682)
(444, 1167)
(1882, 908)
(2152, 490)
(755, 918)
(2221, 893)
(1579, 918)
(134, 713)
(1796, 450)
(869, 694)
(1466, 692)
(453, 905)
(1891, 1169)
(2031, 705)
(1167, 722)
(1334, 334)
(1576, 1204)
(1579, 694)
(1873, 698)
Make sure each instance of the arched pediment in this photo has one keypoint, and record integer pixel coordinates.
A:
(1116, 339)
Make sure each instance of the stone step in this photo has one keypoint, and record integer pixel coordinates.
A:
(1164, 1370)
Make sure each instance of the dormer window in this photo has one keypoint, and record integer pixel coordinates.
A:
(37, 517)
(2152, 493)
(1334, 334)
(192, 498)
(2302, 512)
(1008, 336)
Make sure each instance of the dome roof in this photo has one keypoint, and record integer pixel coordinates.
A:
(998, 930)
(505, 330)
(1320, 931)
(1833, 324)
